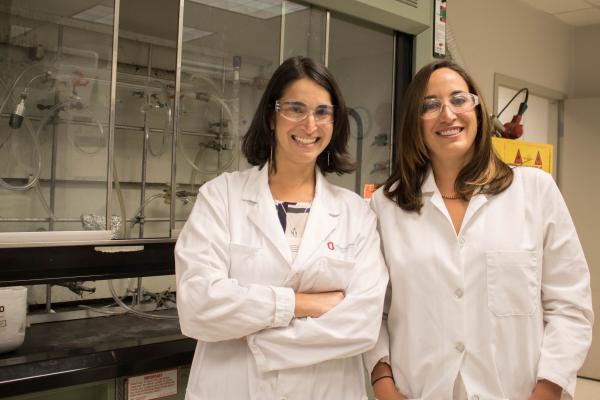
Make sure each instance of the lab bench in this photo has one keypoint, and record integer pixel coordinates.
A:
(93, 358)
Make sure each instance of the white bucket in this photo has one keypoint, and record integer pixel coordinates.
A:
(13, 317)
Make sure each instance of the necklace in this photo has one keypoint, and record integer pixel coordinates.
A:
(293, 230)
(453, 197)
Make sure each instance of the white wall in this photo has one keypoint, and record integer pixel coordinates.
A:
(579, 184)
(513, 39)
(585, 62)
(578, 173)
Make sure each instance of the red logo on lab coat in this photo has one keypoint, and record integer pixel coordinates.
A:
(330, 246)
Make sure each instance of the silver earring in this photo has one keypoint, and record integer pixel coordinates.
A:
(272, 145)
(328, 158)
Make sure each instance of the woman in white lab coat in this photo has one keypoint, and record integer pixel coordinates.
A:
(490, 292)
(278, 271)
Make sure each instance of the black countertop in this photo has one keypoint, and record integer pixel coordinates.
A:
(66, 353)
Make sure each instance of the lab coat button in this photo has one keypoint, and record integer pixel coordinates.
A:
(458, 293)
(475, 397)
(461, 241)
(460, 347)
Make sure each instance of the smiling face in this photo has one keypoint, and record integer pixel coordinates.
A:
(301, 142)
(449, 137)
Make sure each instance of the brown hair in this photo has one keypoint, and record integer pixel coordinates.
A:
(259, 142)
(484, 173)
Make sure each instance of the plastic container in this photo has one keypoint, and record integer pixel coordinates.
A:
(13, 317)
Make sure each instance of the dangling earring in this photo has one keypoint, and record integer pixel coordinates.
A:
(328, 158)
(272, 145)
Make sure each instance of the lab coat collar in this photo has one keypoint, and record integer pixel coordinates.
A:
(257, 185)
(262, 212)
(321, 219)
(430, 189)
(324, 193)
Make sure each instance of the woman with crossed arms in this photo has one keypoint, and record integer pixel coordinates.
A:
(277, 269)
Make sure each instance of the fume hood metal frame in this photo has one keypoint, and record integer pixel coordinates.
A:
(52, 263)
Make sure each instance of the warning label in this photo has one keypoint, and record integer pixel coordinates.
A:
(152, 386)
(538, 160)
(518, 158)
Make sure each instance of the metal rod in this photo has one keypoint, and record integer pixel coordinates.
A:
(185, 132)
(112, 112)
(235, 106)
(176, 116)
(282, 33)
(145, 139)
(221, 121)
(48, 298)
(53, 159)
(46, 219)
(85, 181)
(138, 298)
(392, 142)
(327, 32)
(54, 154)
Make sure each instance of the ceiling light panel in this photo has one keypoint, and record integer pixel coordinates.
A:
(263, 9)
(193, 33)
(557, 6)
(97, 14)
(581, 18)
(18, 30)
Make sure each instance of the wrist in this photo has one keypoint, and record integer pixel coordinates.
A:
(380, 369)
(374, 381)
(546, 390)
(304, 305)
(385, 389)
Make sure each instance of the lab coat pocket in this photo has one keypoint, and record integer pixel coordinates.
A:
(244, 262)
(512, 282)
(326, 275)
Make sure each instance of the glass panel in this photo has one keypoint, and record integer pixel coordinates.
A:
(361, 57)
(230, 50)
(55, 59)
(144, 116)
(304, 31)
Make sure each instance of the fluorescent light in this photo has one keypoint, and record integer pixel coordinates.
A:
(193, 33)
(97, 14)
(263, 9)
(18, 30)
(104, 15)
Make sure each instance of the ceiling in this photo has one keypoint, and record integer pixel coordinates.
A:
(576, 13)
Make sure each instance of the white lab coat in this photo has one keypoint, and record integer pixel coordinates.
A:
(235, 293)
(505, 302)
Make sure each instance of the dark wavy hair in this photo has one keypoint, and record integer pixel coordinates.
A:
(484, 173)
(259, 142)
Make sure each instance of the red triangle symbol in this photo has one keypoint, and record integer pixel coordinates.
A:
(518, 159)
(538, 160)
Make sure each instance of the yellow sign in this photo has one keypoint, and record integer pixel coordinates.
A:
(519, 152)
